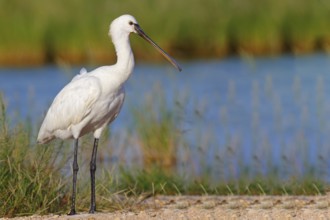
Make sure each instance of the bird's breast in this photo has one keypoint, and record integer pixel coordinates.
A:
(105, 110)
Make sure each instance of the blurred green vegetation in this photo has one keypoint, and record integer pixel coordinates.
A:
(35, 31)
(158, 131)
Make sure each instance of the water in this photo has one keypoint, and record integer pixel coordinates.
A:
(262, 115)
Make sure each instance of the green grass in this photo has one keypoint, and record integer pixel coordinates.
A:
(36, 179)
(30, 175)
(158, 131)
(157, 181)
(36, 31)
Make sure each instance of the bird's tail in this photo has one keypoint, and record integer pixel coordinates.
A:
(44, 138)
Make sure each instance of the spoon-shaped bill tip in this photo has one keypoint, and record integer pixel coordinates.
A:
(141, 33)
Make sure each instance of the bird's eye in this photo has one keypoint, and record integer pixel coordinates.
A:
(130, 23)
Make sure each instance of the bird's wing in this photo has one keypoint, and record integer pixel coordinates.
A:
(73, 103)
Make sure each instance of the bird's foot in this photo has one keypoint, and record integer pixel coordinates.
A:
(72, 212)
(92, 210)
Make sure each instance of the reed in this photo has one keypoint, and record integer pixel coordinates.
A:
(156, 181)
(158, 133)
(36, 32)
(30, 175)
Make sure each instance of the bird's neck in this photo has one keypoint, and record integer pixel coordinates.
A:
(125, 58)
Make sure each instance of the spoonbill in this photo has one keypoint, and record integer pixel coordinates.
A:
(92, 100)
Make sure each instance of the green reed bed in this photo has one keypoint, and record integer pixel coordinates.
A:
(30, 175)
(159, 182)
(35, 32)
(224, 172)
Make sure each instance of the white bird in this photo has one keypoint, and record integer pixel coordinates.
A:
(93, 99)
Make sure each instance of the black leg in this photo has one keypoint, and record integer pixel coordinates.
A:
(92, 170)
(75, 171)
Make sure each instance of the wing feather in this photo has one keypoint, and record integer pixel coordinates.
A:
(73, 103)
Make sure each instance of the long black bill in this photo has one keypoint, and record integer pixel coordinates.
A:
(168, 57)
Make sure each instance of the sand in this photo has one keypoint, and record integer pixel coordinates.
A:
(215, 207)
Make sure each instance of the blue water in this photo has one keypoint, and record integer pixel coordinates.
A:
(237, 114)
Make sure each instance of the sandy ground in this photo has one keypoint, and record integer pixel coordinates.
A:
(216, 207)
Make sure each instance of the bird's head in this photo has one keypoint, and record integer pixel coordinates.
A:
(122, 26)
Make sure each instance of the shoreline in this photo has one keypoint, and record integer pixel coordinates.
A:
(28, 58)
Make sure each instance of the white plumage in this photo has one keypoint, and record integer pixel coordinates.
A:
(87, 104)
(93, 99)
